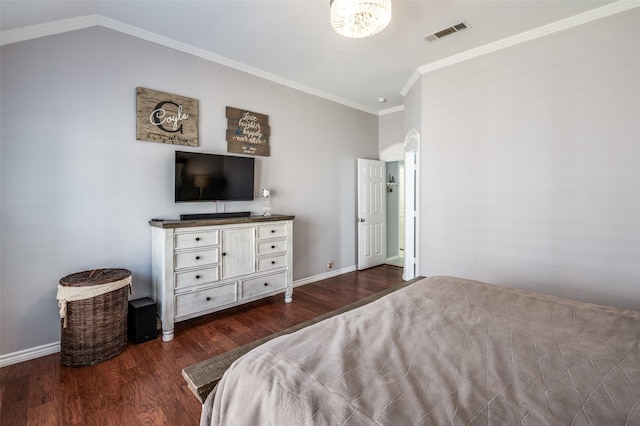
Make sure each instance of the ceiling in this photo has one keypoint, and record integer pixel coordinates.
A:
(292, 42)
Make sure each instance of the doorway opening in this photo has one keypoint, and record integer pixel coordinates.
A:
(407, 155)
(395, 213)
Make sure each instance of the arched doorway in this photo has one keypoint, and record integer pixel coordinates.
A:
(408, 153)
(393, 157)
(412, 203)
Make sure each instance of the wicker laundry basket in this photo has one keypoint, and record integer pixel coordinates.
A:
(94, 315)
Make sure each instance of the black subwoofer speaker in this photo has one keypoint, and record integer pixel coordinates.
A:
(142, 325)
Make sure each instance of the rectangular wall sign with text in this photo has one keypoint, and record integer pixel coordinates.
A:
(163, 117)
(247, 132)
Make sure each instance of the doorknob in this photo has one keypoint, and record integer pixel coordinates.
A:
(360, 219)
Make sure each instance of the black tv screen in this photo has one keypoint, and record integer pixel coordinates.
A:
(212, 177)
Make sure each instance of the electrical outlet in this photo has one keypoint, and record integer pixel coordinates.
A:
(330, 264)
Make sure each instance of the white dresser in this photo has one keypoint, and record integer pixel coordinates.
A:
(203, 266)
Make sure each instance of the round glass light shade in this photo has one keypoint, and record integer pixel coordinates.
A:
(360, 18)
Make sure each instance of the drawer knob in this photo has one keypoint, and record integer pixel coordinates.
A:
(197, 257)
(273, 247)
(266, 284)
(208, 298)
(197, 238)
(273, 262)
(197, 277)
(273, 231)
(224, 254)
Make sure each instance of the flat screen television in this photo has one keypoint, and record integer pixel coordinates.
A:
(213, 177)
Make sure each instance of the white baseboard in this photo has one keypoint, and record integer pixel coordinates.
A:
(29, 354)
(52, 348)
(324, 276)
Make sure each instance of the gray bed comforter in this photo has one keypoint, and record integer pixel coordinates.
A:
(443, 351)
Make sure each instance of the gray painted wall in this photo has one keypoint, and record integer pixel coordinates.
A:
(412, 114)
(531, 165)
(390, 130)
(78, 189)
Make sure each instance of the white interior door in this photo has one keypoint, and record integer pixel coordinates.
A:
(372, 233)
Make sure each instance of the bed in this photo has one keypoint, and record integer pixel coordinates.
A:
(443, 350)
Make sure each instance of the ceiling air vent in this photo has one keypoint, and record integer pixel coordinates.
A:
(461, 26)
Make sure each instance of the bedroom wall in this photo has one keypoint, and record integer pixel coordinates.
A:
(412, 116)
(78, 189)
(390, 129)
(530, 165)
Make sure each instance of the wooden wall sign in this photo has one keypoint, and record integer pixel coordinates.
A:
(247, 132)
(163, 117)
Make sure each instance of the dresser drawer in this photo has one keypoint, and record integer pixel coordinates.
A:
(271, 247)
(185, 240)
(272, 231)
(192, 278)
(196, 258)
(197, 301)
(269, 263)
(257, 286)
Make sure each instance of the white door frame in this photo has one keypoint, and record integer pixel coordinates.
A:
(409, 152)
(411, 205)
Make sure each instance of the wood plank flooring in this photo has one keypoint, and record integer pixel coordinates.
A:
(143, 385)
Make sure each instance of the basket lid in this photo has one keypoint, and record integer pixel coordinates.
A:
(95, 277)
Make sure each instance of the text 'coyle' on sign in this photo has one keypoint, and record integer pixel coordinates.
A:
(247, 132)
(167, 118)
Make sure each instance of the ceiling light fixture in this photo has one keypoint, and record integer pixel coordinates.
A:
(360, 18)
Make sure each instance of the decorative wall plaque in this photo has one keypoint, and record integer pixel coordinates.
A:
(167, 118)
(247, 132)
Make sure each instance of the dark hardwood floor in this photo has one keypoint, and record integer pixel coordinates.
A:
(143, 384)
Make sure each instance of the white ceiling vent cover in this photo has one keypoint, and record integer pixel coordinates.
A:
(456, 28)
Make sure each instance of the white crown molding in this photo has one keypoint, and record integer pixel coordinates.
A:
(409, 84)
(391, 110)
(50, 28)
(554, 27)
(29, 354)
(58, 27)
